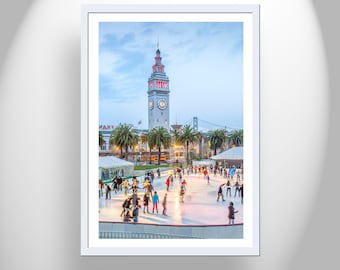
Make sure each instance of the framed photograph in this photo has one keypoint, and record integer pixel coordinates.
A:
(170, 130)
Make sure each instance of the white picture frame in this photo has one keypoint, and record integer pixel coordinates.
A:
(91, 244)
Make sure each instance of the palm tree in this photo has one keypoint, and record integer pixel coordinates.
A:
(101, 139)
(217, 138)
(175, 134)
(188, 135)
(235, 137)
(158, 137)
(124, 136)
(144, 137)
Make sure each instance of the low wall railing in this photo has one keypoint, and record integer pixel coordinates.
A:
(120, 230)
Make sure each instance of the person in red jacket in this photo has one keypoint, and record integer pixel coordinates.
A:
(167, 183)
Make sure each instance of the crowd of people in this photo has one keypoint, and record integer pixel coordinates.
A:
(143, 196)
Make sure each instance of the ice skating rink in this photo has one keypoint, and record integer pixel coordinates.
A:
(200, 206)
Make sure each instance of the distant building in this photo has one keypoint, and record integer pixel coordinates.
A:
(108, 149)
(106, 131)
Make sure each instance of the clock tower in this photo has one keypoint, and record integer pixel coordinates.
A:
(158, 95)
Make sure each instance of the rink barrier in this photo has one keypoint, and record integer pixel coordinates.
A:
(132, 235)
(119, 230)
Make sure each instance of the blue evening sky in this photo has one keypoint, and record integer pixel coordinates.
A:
(204, 63)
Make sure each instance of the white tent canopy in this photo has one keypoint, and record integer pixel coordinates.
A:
(112, 161)
(111, 166)
(204, 162)
(235, 153)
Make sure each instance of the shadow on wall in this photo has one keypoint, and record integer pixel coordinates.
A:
(11, 15)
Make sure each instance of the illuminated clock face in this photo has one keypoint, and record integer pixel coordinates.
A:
(151, 104)
(162, 104)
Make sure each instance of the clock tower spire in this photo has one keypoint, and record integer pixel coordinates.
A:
(158, 94)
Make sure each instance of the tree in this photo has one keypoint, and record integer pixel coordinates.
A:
(175, 134)
(158, 137)
(101, 139)
(124, 136)
(235, 137)
(188, 135)
(144, 137)
(217, 138)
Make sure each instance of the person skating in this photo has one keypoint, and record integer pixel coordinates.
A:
(119, 182)
(115, 185)
(241, 193)
(146, 200)
(181, 194)
(135, 199)
(232, 212)
(134, 185)
(167, 183)
(220, 193)
(184, 184)
(100, 188)
(205, 173)
(155, 201)
(126, 185)
(149, 189)
(237, 189)
(108, 192)
(164, 203)
(135, 213)
(126, 206)
(228, 189)
(171, 180)
(127, 217)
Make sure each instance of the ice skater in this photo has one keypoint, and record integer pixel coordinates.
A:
(155, 201)
(232, 212)
(205, 173)
(146, 200)
(127, 217)
(115, 185)
(135, 198)
(126, 185)
(149, 189)
(167, 183)
(228, 189)
(164, 204)
(241, 193)
(135, 213)
(181, 194)
(108, 192)
(184, 184)
(237, 189)
(220, 193)
(126, 207)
